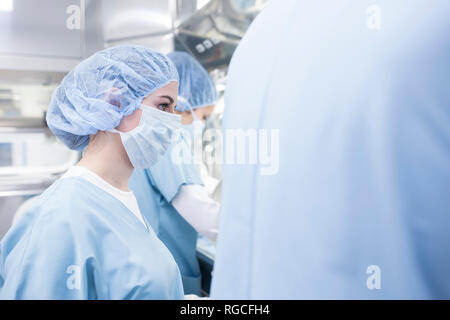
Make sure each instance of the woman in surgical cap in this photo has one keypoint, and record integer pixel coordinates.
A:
(85, 237)
(172, 193)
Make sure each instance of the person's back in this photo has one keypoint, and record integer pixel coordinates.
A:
(360, 206)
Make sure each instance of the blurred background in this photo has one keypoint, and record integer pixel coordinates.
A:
(40, 41)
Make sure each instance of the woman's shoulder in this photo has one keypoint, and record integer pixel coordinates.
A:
(51, 218)
(63, 208)
(69, 191)
(62, 201)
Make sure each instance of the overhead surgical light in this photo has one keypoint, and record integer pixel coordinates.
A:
(6, 5)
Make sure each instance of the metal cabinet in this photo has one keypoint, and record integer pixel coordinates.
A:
(45, 35)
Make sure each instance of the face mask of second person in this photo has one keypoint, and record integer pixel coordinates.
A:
(195, 128)
(149, 141)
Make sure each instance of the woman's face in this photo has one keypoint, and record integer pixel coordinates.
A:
(202, 114)
(164, 99)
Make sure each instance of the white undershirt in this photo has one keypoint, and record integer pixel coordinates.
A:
(127, 198)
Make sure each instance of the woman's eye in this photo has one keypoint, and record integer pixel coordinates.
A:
(163, 106)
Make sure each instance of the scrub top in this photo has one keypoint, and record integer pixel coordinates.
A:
(350, 195)
(154, 189)
(79, 242)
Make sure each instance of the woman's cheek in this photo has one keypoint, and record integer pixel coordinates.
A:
(130, 122)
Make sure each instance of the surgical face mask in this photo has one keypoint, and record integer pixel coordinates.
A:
(149, 141)
(195, 128)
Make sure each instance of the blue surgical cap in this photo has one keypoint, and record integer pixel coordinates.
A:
(196, 88)
(104, 88)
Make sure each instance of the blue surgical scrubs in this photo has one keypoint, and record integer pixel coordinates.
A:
(351, 199)
(79, 242)
(154, 189)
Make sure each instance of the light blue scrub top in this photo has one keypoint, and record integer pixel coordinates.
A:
(79, 242)
(361, 192)
(154, 189)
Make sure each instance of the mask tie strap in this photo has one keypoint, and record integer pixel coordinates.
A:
(185, 102)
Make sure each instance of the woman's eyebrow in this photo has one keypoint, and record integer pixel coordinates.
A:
(168, 97)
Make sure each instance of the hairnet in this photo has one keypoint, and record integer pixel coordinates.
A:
(104, 88)
(196, 87)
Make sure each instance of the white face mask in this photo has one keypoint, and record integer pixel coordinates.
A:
(153, 136)
(195, 128)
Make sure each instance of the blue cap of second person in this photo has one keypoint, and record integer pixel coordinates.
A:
(104, 88)
(196, 88)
